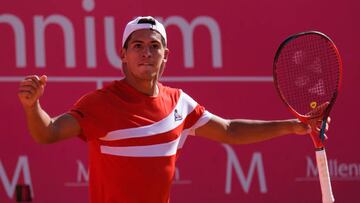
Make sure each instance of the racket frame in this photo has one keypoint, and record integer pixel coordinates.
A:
(321, 159)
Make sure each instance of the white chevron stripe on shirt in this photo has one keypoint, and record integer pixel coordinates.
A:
(156, 150)
(184, 107)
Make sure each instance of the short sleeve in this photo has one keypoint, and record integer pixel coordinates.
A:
(198, 117)
(85, 111)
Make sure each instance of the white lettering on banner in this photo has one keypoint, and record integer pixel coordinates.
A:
(91, 62)
(178, 180)
(233, 163)
(82, 178)
(311, 168)
(111, 52)
(40, 23)
(338, 171)
(21, 166)
(187, 30)
(90, 42)
(83, 174)
(39, 28)
(19, 32)
(88, 5)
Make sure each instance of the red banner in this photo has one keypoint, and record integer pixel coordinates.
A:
(221, 54)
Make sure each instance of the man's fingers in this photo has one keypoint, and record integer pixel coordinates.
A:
(34, 79)
(30, 90)
(34, 82)
(325, 137)
(328, 120)
(28, 86)
(29, 82)
(38, 81)
(26, 91)
(32, 76)
(32, 86)
(43, 80)
(319, 126)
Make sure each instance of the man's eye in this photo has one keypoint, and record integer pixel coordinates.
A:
(137, 45)
(155, 46)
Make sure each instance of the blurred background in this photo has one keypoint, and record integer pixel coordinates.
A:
(221, 54)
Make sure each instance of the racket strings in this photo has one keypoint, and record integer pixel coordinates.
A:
(307, 71)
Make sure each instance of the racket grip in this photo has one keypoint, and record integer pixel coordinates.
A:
(324, 177)
(318, 143)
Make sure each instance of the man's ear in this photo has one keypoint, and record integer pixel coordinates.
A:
(166, 55)
(123, 54)
(162, 67)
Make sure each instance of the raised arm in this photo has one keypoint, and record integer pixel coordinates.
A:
(42, 127)
(243, 131)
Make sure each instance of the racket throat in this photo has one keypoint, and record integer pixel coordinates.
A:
(317, 140)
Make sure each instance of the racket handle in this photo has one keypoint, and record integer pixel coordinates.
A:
(324, 176)
(318, 143)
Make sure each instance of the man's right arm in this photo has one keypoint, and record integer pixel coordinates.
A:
(42, 127)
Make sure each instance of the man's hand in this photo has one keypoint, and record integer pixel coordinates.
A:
(315, 133)
(314, 125)
(301, 128)
(31, 89)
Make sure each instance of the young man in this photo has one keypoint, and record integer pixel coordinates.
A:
(135, 126)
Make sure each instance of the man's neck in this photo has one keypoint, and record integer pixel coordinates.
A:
(146, 87)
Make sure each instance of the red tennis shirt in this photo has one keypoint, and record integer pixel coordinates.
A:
(134, 140)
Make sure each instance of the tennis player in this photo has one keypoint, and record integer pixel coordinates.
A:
(135, 126)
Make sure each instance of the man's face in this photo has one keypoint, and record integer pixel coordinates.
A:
(145, 55)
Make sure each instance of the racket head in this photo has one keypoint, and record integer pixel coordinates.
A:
(307, 73)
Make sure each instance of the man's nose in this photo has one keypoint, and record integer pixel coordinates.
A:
(147, 51)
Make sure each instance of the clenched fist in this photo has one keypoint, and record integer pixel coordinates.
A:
(31, 89)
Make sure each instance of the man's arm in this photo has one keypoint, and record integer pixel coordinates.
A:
(242, 131)
(42, 127)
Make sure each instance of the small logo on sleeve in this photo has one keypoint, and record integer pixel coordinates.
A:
(177, 115)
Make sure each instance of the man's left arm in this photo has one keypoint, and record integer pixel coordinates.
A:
(244, 131)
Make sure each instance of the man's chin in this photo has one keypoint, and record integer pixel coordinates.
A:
(149, 77)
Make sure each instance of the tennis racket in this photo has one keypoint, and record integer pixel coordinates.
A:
(307, 73)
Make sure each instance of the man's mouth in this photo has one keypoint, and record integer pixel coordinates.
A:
(146, 64)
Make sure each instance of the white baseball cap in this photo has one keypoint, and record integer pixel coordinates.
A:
(143, 22)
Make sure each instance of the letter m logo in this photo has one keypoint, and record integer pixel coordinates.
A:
(233, 164)
(22, 166)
